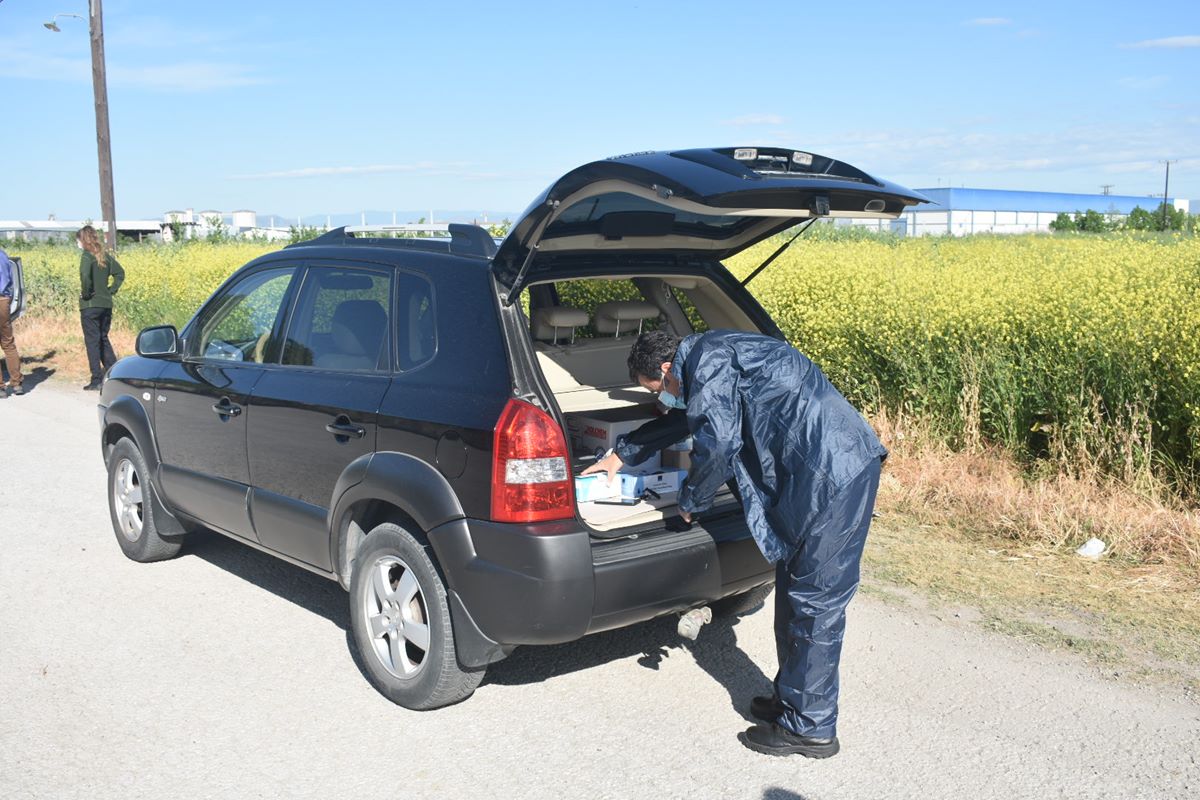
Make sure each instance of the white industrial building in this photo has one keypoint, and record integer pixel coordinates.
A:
(964, 211)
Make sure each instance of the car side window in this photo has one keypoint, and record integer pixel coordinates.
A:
(238, 327)
(341, 320)
(416, 321)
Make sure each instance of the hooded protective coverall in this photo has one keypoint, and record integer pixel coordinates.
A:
(807, 467)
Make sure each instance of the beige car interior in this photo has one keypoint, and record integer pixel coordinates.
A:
(591, 374)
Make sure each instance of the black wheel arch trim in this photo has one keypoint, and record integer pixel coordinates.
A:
(128, 413)
(418, 490)
(406, 482)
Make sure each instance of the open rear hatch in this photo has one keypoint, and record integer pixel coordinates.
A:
(715, 202)
(706, 203)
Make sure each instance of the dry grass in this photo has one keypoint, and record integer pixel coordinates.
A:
(984, 491)
(52, 345)
(1133, 622)
(972, 529)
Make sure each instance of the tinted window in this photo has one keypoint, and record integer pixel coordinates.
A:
(340, 321)
(238, 326)
(416, 325)
(627, 210)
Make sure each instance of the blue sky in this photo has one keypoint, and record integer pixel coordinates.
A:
(313, 108)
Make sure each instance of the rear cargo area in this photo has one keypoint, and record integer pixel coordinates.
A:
(582, 331)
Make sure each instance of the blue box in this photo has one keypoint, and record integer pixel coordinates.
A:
(595, 487)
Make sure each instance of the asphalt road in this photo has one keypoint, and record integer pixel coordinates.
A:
(226, 673)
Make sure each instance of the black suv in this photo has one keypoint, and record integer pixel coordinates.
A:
(391, 413)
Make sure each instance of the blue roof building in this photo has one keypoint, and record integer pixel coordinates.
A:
(960, 211)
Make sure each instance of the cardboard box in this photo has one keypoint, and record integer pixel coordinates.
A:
(595, 432)
(598, 430)
(664, 482)
(677, 459)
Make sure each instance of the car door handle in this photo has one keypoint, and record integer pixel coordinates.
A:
(343, 428)
(226, 408)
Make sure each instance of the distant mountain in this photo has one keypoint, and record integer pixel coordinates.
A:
(386, 218)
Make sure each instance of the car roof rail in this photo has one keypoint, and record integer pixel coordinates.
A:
(457, 238)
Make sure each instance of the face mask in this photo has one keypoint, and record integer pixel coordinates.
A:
(669, 400)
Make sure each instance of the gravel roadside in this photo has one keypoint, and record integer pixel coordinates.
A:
(226, 672)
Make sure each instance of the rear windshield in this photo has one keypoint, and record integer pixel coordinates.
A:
(588, 216)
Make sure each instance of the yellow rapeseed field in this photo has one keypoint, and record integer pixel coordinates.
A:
(1086, 349)
(1082, 349)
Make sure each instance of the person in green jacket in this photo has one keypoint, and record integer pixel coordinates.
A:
(100, 276)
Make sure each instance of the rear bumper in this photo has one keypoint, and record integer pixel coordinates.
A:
(551, 582)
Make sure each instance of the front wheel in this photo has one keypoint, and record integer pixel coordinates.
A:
(131, 506)
(400, 617)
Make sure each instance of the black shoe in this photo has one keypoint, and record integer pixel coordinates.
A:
(18, 389)
(776, 741)
(94, 385)
(767, 709)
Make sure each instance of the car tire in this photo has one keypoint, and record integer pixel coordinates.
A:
(738, 604)
(400, 619)
(131, 507)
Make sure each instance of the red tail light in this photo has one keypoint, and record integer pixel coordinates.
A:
(531, 477)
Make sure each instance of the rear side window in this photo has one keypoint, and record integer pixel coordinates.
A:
(416, 321)
(341, 320)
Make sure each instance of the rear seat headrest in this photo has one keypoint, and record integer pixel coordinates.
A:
(551, 322)
(618, 316)
(682, 283)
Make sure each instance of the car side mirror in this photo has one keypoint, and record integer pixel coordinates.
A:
(158, 342)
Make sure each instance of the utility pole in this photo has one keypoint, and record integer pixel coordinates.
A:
(100, 95)
(1166, 187)
(103, 142)
(1106, 188)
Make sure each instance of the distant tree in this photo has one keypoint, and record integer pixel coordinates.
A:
(1139, 220)
(1063, 223)
(1092, 222)
(499, 230)
(1142, 220)
(302, 233)
(217, 231)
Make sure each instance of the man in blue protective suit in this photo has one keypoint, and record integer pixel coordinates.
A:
(806, 465)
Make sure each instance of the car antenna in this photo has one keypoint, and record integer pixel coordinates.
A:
(803, 227)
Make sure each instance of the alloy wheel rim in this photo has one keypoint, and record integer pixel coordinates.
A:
(127, 500)
(396, 617)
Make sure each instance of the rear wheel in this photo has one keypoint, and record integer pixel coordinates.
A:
(400, 617)
(131, 506)
(738, 604)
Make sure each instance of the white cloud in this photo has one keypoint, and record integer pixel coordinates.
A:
(1171, 42)
(754, 119)
(196, 76)
(1152, 82)
(457, 169)
(30, 63)
(988, 21)
(992, 155)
